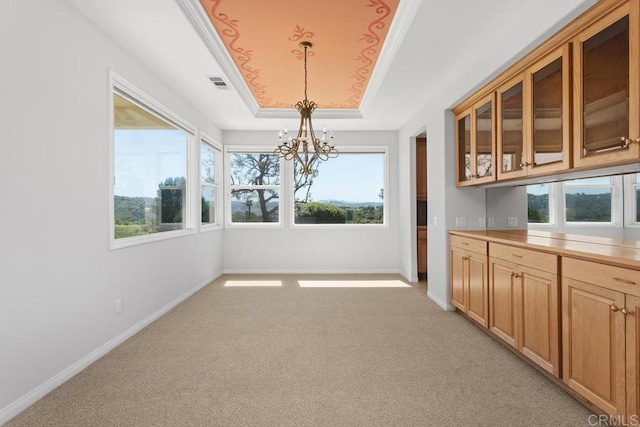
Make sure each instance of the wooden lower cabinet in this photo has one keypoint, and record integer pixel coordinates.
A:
(524, 305)
(594, 344)
(601, 335)
(422, 251)
(469, 281)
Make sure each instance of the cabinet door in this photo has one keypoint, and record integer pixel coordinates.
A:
(421, 168)
(478, 299)
(458, 278)
(511, 133)
(593, 344)
(483, 141)
(606, 82)
(463, 148)
(503, 294)
(538, 336)
(422, 250)
(633, 356)
(549, 116)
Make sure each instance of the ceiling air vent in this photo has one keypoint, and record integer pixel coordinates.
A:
(219, 82)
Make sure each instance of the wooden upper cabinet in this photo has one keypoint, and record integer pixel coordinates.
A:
(475, 143)
(533, 119)
(512, 150)
(549, 116)
(421, 168)
(606, 95)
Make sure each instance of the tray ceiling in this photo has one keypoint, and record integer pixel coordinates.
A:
(262, 39)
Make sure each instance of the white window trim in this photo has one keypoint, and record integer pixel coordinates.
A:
(228, 151)
(616, 205)
(376, 149)
(630, 202)
(123, 87)
(218, 149)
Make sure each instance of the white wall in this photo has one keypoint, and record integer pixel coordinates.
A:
(506, 202)
(58, 278)
(320, 250)
(460, 70)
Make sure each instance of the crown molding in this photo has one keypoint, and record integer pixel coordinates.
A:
(200, 21)
(407, 9)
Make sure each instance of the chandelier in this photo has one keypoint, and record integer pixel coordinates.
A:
(305, 148)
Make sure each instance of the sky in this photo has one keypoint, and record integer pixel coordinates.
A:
(144, 158)
(350, 177)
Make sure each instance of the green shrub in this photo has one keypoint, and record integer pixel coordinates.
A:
(319, 213)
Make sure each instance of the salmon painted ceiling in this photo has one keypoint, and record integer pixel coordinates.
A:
(263, 37)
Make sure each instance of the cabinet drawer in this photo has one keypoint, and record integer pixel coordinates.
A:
(479, 246)
(534, 259)
(608, 276)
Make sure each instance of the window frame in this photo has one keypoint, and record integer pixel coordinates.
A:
(631, 184)
(616, 204)
(218, 178)
(228, 187)
(374, 149)
(120, 86)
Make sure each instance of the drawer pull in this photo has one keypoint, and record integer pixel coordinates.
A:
(615, 308)
(516, 256)
(628, 282)
(464, 258)
(625, 311)
(465, 243)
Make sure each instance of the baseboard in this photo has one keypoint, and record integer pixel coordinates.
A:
(442, 304)
(13, 409)
(286, 271)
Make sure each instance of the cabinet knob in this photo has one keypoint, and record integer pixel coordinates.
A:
(523, 164)
(516, 275)
(464, 258)
(615, 308)
(625, 311)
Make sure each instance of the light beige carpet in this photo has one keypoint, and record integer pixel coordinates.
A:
(308, 351)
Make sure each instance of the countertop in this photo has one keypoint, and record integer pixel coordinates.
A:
(622, 253)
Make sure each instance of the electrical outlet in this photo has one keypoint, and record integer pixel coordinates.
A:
(492, 222)
(512, 221)
(482, 223)
(461, 222)
(119, 306)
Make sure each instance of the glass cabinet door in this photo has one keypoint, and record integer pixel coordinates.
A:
(511, 141)
(463, 141)
(484, 162)
(606, 127)
(550, 112)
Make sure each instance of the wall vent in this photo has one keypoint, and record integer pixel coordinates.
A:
(219, 82)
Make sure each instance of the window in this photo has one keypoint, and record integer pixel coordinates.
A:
(632, 199)
(254, 187)
(346, 190)
(538, 197)
(209, 179)
(589, 200)
(150, 150)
